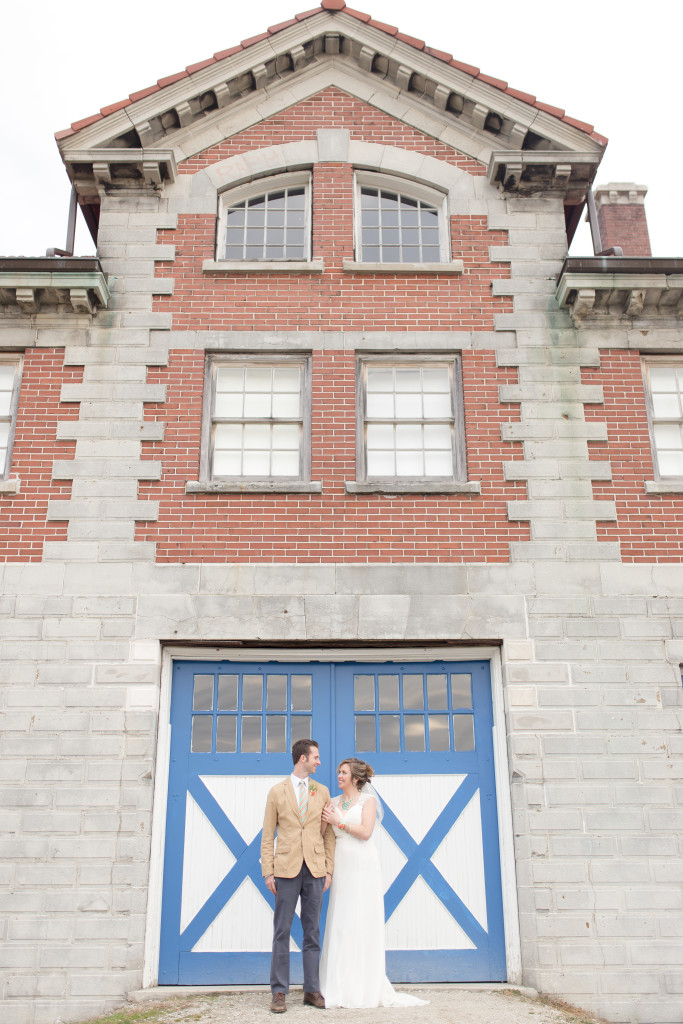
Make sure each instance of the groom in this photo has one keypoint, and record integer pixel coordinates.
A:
(300, 867)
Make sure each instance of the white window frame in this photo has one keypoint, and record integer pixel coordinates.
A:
(662, 481)
(457, 480)
(208, 481)
(412, 190)
(257, 187)
(11, 359)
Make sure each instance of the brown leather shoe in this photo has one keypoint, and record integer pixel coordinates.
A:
(278, 1004)
(314, 999)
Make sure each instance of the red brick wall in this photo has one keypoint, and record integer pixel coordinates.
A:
(625, 225)
(334, 300)
(330, 108)
(334, 526)
(648, 525)
(23, 522)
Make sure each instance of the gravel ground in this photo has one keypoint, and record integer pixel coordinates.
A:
(446, 1006)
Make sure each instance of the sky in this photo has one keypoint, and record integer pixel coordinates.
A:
(614, 65)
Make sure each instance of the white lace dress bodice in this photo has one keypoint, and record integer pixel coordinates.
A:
(352, 967)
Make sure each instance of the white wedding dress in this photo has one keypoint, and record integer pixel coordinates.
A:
(352, 968)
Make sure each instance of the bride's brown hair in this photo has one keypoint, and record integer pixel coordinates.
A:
(361, 772)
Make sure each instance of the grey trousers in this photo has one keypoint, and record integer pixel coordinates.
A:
(289, 890)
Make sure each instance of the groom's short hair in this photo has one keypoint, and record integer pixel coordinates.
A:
(303, 747)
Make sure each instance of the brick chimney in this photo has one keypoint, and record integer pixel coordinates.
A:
(621, 217)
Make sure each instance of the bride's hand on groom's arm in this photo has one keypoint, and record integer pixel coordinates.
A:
(330, 813)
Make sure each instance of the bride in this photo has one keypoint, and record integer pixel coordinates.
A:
(352, 969)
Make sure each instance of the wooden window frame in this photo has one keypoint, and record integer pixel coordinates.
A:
(674, 482)
(210, 482)
(410, 189)
(257, 187)
(17, 361)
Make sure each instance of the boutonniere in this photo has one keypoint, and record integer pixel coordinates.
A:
(312, 789)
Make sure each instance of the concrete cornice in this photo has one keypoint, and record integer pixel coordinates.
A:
(166, 113)
(92, 170)
(84, 292)
(605, 296)
(529, 173)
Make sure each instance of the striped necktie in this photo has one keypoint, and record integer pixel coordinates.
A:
(303, 800)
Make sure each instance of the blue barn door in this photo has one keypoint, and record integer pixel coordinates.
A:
(425, 728)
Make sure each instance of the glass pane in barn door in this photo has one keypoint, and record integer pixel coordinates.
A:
(233, 725)
(427, 731)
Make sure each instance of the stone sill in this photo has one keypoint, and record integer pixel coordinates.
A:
(11, 486)
(253, 487)
(664, 486)
(454, 267)
(263, 266)
(413, 487)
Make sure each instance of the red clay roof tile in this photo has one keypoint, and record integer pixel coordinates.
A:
(307, 14)
(497, 82)
(170, 79)
(283, 24)
(113, 107)
(357, 14)
(85, 121)
(192, 68)
(383, 27)
(469, 69)
(222, 54)
(581, 125)
(439, 54)
(333, 5)
(254, 39)
(64, 134)
(419, 44)
(555, 111)
(526, 97)
(140, 95)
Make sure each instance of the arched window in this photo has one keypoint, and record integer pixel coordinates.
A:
(268, 219)
(399, 221)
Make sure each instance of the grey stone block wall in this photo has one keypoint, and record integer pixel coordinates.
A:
(591, 651)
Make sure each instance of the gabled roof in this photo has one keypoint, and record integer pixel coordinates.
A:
(385, 60)
(526, 144)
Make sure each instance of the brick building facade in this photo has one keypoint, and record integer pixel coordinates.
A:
(329, 427)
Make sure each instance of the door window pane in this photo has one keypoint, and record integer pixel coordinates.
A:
(276, 734)
(390, 732)
(364, 689)
(439, 735)
(301, 693)
(276, 690)
(227, 693)
(437, 691)
(301, 728)
(463, 732)
(414, 726)
(252, 692)
(202, 697)
(251, 734)
(226, 734)
(461, 690)
(413, 696)
(201, 733)
(365, 732)
(388, 693)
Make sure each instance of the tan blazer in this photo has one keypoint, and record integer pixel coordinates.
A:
(296, 843)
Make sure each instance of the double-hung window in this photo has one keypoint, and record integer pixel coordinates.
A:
(410, 422)
(10, 375)
(400, 222)
(258, 428)
(665, 386)
(266, 220)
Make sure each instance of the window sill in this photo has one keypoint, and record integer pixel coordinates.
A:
(263, 266)
(454, 267)
(253, 487)
(413, 487)
(11, 486)
(664, 486)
